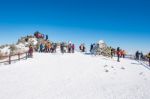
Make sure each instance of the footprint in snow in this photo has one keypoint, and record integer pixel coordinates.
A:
(105, 65)
(112, 66)
(141, 73)
(106, 71)
(122, 68)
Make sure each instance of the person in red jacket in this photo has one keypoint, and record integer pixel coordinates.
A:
(30, 51)
(121, 53)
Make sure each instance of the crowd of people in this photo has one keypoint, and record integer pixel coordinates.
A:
(118, 52)
(70, 48)
(48, 47)
(141, 57)
(67, 48)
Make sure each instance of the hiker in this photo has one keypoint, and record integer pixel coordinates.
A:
(82, 48)
(91, 47)
(118, 54)
(49, 47)
(52, 48)
(148, 56)
(46, 37)
(124, 53)
(62, 47)
(137, 55)
(30, 52)
(45, 48)
(41, 47)
(112, 52)
(73, 47)
(42, 36)
(142, 56)
(55, 47)
(69, 47)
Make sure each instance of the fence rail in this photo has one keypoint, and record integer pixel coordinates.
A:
(143, 61)
(14, 57)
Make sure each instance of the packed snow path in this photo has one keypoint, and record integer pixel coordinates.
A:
(74, 76)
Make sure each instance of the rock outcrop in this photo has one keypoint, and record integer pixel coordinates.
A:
(101, 48)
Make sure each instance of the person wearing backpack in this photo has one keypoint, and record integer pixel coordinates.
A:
(148, 56)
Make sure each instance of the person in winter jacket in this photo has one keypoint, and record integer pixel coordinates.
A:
(111, 52)
(55, 47)
(80, 47)
(46, 37)
(124, 53)
(49, 47)
(91, 47)
(41, 47)
(137, 55)
(30, 51)
(69, 48)
(148, 56)
(118, 54)
(73, 47)
(62, 47)
(142, 56)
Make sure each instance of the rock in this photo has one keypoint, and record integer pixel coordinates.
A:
(101, 48)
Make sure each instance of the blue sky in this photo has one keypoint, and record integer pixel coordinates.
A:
(124, 23)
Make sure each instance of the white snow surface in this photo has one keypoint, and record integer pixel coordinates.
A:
(74, 76)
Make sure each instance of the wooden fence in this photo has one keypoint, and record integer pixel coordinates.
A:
(14, 57)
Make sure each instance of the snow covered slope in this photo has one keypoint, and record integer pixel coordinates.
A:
(74, 76)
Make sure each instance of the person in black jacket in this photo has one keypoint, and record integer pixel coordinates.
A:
(46, 37)
(148, 56)
(112, 52)
(137, 55)
(118, 54)
(62, 47)
(91, 47)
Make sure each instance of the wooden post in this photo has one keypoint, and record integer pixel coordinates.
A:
(9, 59)
(26, 55)
(19, 56)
